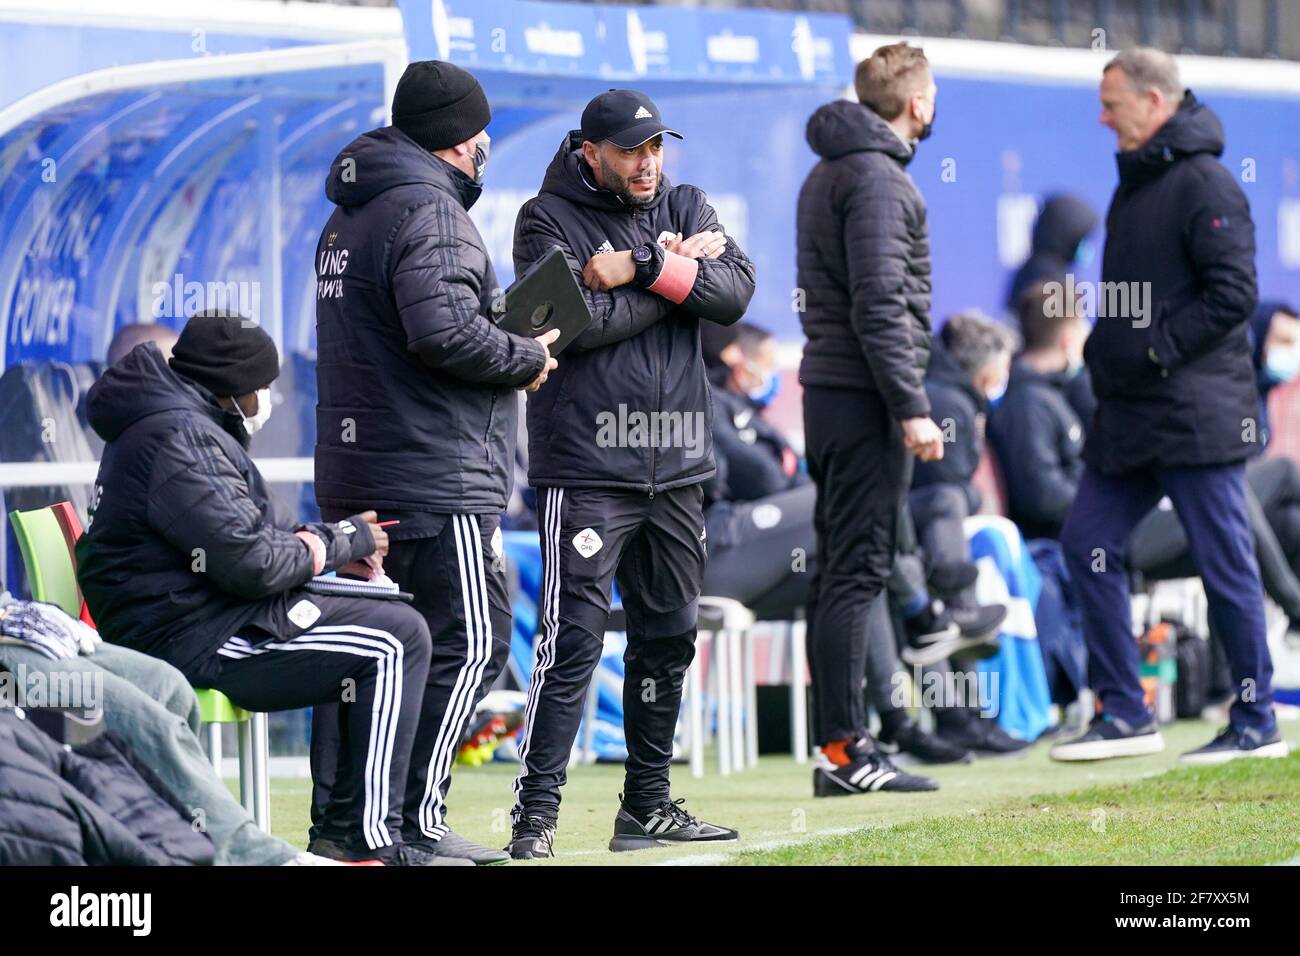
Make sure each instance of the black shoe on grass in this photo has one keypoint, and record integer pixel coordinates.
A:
(531, 838)
(663, 825)
(1236, 742)
(868, 771)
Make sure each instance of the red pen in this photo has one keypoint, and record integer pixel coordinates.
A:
(387, 524)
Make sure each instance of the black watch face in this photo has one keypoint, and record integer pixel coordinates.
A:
(641, 254)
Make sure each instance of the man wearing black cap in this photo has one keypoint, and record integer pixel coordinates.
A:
(183, 559)
(417, 412)
(619, 446)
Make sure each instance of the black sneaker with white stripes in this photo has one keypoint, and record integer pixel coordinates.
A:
(666, 824)
(531, 838)
(867, 771)
(1234, 742)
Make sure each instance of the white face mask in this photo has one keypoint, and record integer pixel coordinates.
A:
(254, 425)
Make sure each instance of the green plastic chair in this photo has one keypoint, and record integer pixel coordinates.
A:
(46, 538)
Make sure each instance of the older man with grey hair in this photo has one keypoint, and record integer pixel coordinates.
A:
(1177, 408)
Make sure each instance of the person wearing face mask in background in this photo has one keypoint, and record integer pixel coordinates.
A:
(969, 365)
(185, 559)
(758, 507)
(417, 415)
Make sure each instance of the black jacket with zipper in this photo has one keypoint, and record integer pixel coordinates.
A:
(183, 549)
(864, 261)
(1175, 387)
(641, 352)
(416, 409)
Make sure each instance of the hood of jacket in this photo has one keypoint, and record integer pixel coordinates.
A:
(386, 158)
(1193, 129)
(143, 384)
(569, 177)
(944, 370)
(1064, 223)
(843, 126)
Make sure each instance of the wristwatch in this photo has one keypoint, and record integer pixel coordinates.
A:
(648, 258)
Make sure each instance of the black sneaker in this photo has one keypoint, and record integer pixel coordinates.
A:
(978, 620)
(1234, 742)
(934, 635)
(531, 838)
(1109, 736)
(979, 734)
(909, 738)
(868, 771)
(665, 824)
(454, 846)
(951, 579)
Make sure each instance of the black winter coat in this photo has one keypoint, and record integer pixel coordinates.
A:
(416, 409)
(183, 549)
(960, 411)
(641, 352)
(1038, 439)
(1177, 387)
(91, 806)
(864, 261)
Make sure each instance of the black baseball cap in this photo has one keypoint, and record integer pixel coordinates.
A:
(624, 117)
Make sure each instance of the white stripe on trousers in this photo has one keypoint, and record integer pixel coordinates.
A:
(545, 654)
(385, 707)
(478, 651)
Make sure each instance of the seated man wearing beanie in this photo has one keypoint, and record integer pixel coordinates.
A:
(183, 559)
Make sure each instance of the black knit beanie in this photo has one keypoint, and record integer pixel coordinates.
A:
(438, 104)
(225, 354)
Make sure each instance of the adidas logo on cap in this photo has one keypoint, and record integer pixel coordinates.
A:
(643, 113)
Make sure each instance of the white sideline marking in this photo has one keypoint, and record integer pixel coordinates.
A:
(713, 859)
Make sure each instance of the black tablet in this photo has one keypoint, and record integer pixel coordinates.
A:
(545, 297)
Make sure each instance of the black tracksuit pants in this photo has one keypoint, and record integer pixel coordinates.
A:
(457, 576)
(654, 548)
(857, 459)
(365, 660)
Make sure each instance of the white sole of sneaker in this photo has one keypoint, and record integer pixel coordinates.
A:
(1273, 751)
(1138, 746)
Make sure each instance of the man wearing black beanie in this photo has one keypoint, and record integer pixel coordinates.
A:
(184, 559)
(417, 411)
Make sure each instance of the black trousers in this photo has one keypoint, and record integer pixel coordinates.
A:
(654, 547)
(366, 661)
(457, 576)
(858, 461)
(762, 552)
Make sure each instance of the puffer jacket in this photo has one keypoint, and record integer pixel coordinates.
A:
(93, 805)
(417, 409)
(641, 353)
(864, 261)
(184, 549)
